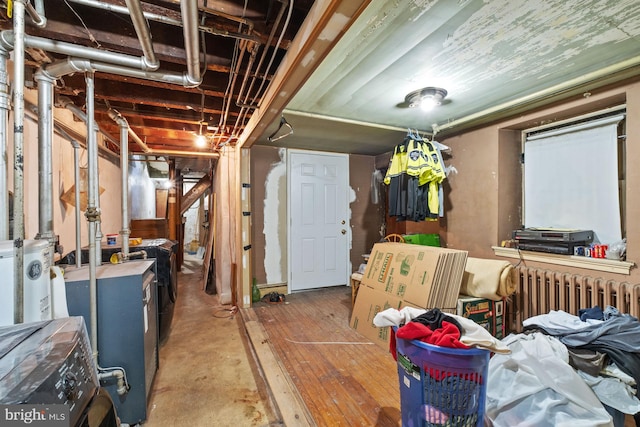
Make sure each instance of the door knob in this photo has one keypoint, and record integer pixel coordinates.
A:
(343, 231)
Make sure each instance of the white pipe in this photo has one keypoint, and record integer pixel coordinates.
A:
(18, 162)
(121, 382)
(7, 41)
(4, 167)
(143, 32)
(45, 160)
(189, 10)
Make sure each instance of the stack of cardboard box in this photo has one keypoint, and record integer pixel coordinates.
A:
(399, 275)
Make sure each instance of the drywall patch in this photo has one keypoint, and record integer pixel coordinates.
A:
(275, 220)
(352, 195)
(336, 24)
(308, 58)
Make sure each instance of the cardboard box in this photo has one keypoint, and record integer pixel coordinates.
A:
(424, 276)
(370, 302)
(485, 312)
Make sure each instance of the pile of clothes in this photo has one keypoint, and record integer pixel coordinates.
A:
(562, 370)
(579, 370)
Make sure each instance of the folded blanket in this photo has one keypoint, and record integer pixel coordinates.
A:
(488, 278)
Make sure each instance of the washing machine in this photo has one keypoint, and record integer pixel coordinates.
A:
(48, 365)
(164, 251)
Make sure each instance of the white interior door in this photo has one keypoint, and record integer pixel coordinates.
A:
(318, 219)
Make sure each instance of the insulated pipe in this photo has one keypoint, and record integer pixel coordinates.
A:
(124, 169)
(18, 162)
(189, 10)
(4, 167)
(7, 41)
(45, 160)
(143, 32)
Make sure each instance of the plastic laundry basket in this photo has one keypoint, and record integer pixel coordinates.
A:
(441, 386)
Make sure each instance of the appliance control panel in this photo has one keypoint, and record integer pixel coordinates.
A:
(48, 362)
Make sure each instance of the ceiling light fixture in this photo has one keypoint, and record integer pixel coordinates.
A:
(201, 140)
(427, 98)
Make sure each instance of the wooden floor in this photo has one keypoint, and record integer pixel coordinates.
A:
(341, 378)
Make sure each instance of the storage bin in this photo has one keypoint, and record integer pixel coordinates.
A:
(431, 239)
(441, 386)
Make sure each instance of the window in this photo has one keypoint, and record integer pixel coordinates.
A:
(574, 175)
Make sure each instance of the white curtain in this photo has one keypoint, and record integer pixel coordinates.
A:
(571, 179)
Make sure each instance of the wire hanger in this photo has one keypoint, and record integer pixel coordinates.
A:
(283, 122)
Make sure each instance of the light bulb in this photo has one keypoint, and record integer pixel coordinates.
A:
(428, 103)
(201, 141)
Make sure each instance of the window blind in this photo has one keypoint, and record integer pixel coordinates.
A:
(571, 178)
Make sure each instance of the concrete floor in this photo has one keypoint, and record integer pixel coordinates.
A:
(207, 375)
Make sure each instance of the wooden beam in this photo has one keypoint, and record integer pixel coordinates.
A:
(195, 193)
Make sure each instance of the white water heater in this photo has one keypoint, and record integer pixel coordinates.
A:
(37, 298)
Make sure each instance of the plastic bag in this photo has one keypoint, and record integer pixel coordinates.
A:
(617, 250)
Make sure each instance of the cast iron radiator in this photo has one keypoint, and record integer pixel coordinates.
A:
(540, 291)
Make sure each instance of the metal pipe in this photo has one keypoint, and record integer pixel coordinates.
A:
(144, 34)
(36, 15)
(7, 41)
(45, 160)
(92, 213)
(4, 167)
(18, 160)
(229, 96)
(189, 10)
(124, 169)
(178, 23)
(99, 234)
(40, 7)
(244, 103)
(76, 178)
(181, 79)
(77, 111)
